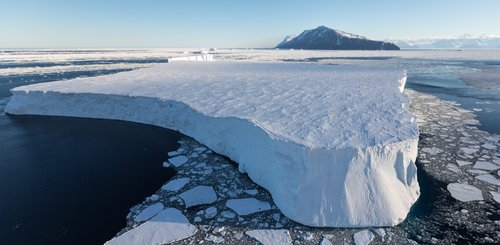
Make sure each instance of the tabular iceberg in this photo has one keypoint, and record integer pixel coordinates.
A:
(334, 145)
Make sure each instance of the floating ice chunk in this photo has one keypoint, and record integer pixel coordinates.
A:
(485, 166)
(228, 214)
(325, 241)
(454, 168)
(176, 184)
(432, 151)
(464, 192)
(271, 237)
(168, 226)
(178, 160)
(252, 192)
(200, 149)
(210, 212)
(468, 151)
(496, 161)
(489, 146)
(149, 212)
(489, 179)
(247, 206)
(476, 171)
(363, 237)
(462, 163)
(496, 196)
(199, 195)
(381, 232)
(173, 153)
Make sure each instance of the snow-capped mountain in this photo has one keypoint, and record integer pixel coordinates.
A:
(461, 42)
(323, 37)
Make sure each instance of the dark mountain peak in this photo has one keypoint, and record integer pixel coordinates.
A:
(323, 37)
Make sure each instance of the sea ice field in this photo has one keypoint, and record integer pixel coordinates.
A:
(209, 200)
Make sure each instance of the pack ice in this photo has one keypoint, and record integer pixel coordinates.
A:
(334, 145)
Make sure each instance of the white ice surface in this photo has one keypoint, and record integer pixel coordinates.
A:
(271, 237)
(329, 151)
(176, 184)
(363, 237)
(168, 226)
(465, 192)
(199, 195)
(149, 212)
(246, 206)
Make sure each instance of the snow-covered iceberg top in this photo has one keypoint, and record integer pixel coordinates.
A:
(335, 145)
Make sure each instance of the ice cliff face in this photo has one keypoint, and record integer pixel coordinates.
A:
(334, 145)
(325, 38)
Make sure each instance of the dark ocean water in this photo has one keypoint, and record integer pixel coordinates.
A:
(72, 181)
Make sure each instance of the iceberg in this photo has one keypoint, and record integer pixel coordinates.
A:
(334, 145)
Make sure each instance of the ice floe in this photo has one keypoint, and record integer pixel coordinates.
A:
(176, 184)
(271, 237)
(246, 206)
(462, 163)
(325, 241)
(486, 166)
(178, 160)
(488, 178)
(496, 196)
(464, 192)
(363, 237)
(198, 195)
(149, 212)
(168, 226)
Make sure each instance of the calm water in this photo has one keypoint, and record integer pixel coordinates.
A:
(72, 181)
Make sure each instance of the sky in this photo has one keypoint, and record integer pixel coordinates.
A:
(231, 23)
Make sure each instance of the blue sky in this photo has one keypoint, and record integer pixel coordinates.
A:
(230, 23)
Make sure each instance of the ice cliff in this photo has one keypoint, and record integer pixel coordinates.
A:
(334, 145)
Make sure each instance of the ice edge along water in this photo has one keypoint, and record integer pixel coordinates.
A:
(316, 178)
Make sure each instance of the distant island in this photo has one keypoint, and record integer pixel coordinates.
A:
(326, 38)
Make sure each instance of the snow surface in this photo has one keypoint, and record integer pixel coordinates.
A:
(168, 226)
(330, 152)
(149, 212)
(271, 237)
(199, 195)
(465, 192)
(246, 206)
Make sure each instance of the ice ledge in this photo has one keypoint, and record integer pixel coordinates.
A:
(341, 185)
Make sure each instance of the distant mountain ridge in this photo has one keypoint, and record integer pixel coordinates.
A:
(461, 42)
(326, 38)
